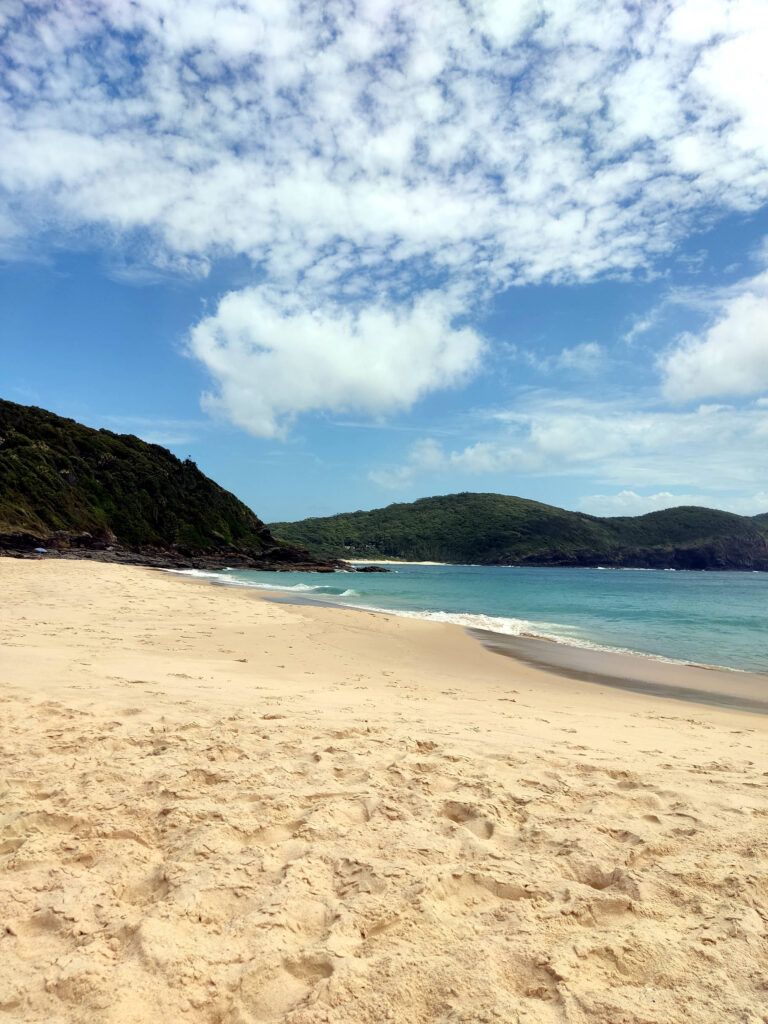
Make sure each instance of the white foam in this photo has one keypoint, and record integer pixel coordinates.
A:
(625, 568)
(522, 627)
(232, 581)
(203, 574)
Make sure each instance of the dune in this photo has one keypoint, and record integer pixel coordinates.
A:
(219, 808)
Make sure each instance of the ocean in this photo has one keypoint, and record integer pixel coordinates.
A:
(708, 618)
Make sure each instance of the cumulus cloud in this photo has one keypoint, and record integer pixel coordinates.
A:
(617, 442)
(272, 357)
(353, 152)
(730, 358)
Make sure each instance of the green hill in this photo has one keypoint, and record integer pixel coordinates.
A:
(68, 487)
(496, 529)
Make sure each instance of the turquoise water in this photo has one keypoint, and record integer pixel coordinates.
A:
(704, 617)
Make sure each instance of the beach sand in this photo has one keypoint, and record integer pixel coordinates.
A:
(217, 808)
(389, 561)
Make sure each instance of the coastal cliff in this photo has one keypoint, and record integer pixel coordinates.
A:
(497, 529)
(84, 493)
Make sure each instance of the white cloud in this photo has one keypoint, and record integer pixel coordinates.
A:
(352, 152)
(288, 132)
(730, 358)
(272, 358)
(617, 443)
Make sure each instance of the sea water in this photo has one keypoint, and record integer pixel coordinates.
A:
(709, 618)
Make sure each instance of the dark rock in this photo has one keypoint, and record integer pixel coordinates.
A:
(19, 542)
(61, 544)
(371, 568)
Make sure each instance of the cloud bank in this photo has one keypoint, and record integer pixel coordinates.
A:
(717, 446)
(357, 153)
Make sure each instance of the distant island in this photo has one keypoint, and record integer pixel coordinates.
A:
(79, 492)
(497, 529)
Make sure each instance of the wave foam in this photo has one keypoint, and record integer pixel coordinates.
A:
(225, 580)
(491, 623)
(525, 628)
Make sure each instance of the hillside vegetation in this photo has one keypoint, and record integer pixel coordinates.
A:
(74, 487)
(496, 529)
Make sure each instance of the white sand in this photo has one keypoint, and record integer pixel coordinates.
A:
(389, 561)
(218, 809)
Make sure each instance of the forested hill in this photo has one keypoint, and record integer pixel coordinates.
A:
(88, 492)
(496, 529)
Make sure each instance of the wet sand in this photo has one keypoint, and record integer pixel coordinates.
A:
(704, 684)
(639, 673)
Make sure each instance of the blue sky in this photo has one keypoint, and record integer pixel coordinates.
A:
(365, 252)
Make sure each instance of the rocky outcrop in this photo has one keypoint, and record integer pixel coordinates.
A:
(106, 548)
(84, 493)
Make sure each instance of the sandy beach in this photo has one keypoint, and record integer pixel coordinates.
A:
(389, 561)
(219, 808)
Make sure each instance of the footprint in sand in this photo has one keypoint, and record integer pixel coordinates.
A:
(353, 876)
(470, 817)
(269, 993)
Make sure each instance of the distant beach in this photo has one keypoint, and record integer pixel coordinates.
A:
(216, 806)
(389, 561)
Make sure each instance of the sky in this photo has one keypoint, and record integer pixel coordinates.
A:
(348, 253)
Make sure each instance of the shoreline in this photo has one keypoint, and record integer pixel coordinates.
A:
(218, 808)
(475, 624)
(633, 671)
